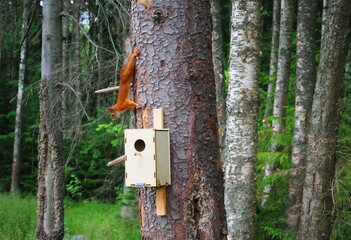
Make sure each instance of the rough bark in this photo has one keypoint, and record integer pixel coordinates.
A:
(305, 83)
(242, 117)
(18, 122)
(281, 87)
(175, 72)
(273, 58)
(316, 218)
(218, 67)
(50, 218)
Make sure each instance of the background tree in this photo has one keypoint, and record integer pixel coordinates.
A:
(273, 57)
(50, 219)
(316, 218)
(242, 117)
(18, 122)
(305, 83)
(218, 68)
(175, 72)
(281, 87)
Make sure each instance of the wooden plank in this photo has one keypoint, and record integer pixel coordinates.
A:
(161, 200)
(142, 215)
(160, 192)
(158, 118)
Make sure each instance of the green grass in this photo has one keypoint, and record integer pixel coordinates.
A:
(99, 221)
(17, 217)
(94, 219)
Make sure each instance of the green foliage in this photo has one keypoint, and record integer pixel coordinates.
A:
(342, 181)
(131, 194)
(126, 198)
(87, 174)
(225, 21)
(74, 187)
(271, 219)
(113, 129)
(342, 199)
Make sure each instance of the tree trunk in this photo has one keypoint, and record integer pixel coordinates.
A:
(65, 35)
(175, 72)
(66, 5)
(218, 67)
(1, 28)
(273, 58)
(18, 122)
(281, 87)
(50, 219)
(242, 117)
(305, 83)
(316, 218)
(76, 58)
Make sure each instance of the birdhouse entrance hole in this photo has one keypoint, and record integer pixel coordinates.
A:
(139, 145)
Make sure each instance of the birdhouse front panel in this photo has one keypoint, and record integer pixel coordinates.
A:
(163, 166)
(148, 157)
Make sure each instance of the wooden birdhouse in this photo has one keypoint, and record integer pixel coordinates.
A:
(148, 158)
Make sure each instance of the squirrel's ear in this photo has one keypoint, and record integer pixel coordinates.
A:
(110, 109)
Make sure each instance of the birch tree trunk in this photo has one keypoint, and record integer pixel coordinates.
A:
(50, 218)
(305, 83)
(18, 122)
(316, 217)
(175, 72)
(273, 58)
(281, 87)
(242, 117)
(218, 67)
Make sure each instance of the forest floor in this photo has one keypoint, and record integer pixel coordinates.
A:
(85, 220)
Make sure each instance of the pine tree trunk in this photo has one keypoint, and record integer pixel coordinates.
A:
(305, 83)
(18, 122)
(316, 218)
(242, 117)
(175, 72)
(281, 87)
(218, 67)
(273, 58)
(50, 219)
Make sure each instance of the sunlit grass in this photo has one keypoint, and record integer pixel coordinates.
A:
(17, 217)
(98, 220)
(93, 219)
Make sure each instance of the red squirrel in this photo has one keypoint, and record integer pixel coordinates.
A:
(126, 74)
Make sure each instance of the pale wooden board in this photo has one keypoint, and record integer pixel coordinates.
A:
(161, 200)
